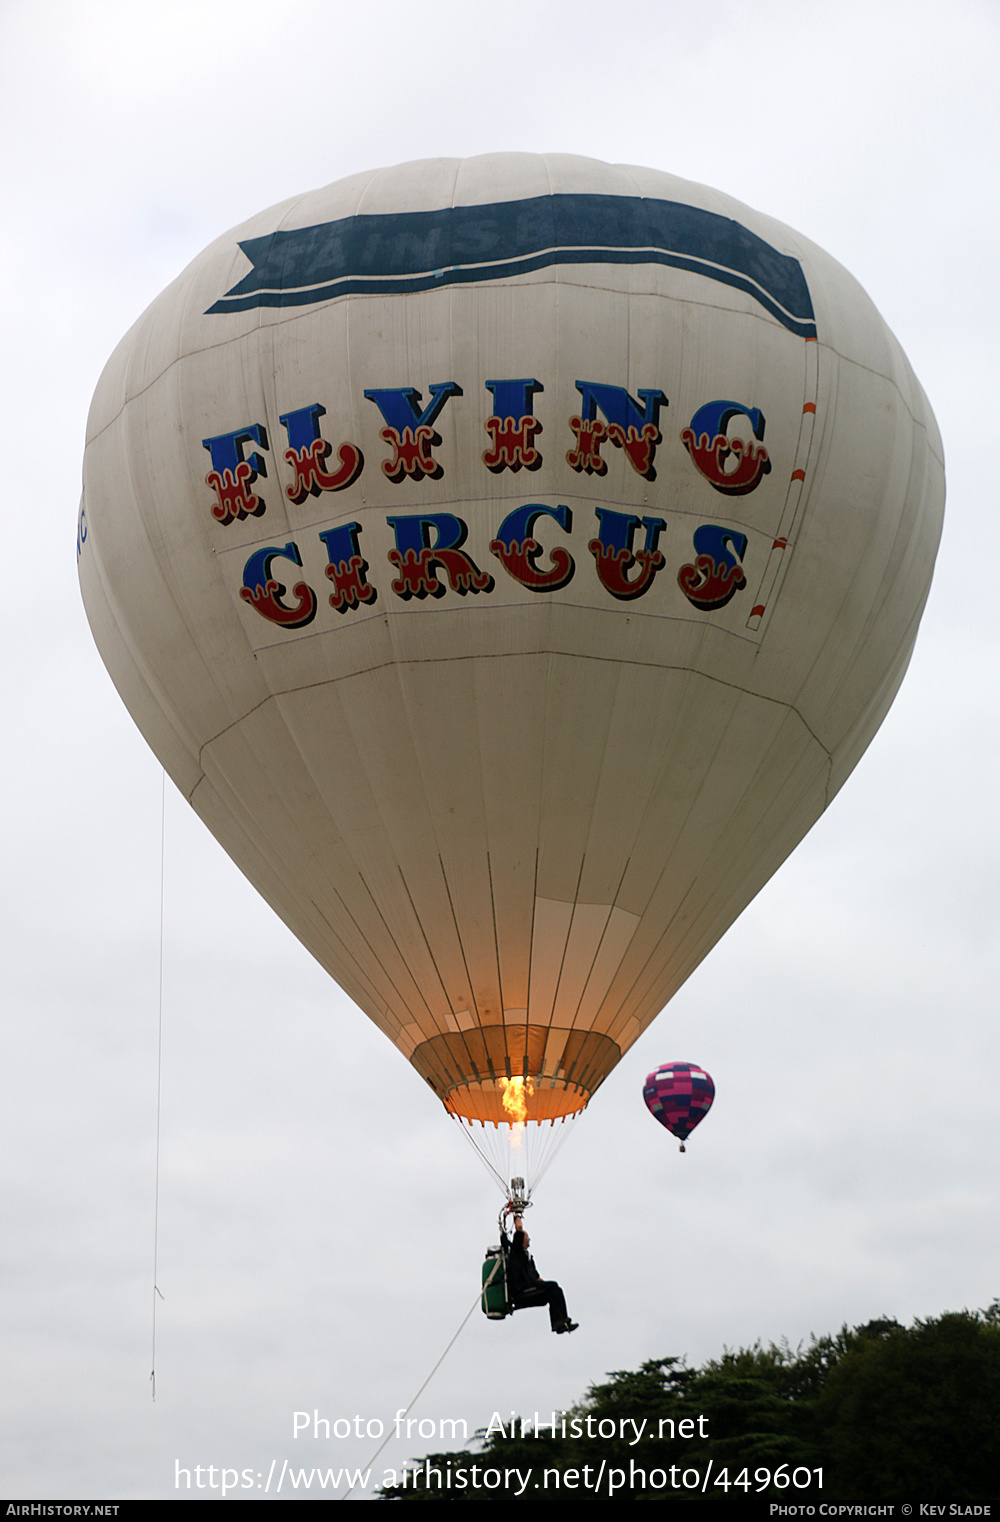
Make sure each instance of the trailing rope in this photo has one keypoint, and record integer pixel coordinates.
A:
(159, 1074)
(423, 1387)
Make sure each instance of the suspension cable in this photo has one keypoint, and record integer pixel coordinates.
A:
(468, 1133)
(566, 1131)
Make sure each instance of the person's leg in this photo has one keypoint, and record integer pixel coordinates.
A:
(547, 1292)
(556, 1302)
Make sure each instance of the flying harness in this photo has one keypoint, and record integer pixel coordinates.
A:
(496, 1301)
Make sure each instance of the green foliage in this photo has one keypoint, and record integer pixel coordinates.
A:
(887, 1412)
(915, 1411)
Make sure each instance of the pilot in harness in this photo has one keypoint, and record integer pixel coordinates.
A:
(511, 1282)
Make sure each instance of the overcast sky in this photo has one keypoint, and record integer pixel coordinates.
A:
(321, 1222)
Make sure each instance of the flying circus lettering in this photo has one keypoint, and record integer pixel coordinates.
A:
(608, 414)
(430, 559)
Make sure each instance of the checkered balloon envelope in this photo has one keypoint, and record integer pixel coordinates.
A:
(679, 1095)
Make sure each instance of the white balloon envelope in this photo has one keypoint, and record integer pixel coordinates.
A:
(509, 559)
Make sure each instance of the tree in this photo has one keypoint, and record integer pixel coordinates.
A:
(879, 1412)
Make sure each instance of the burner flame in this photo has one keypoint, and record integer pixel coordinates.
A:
(516, 1093)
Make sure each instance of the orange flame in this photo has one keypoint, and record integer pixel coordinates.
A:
(516, 1093)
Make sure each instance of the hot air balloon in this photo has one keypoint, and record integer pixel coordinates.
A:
(679, 1095)
(509, 559)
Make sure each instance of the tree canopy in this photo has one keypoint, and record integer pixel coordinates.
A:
(879, 1412)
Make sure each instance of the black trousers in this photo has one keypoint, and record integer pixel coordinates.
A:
(544, 1292)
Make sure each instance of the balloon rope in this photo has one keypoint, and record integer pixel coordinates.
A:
(468, 1133)
(159, 1073)
(567, 1126)
(423, 1387)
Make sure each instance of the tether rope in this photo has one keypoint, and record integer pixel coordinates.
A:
(159, 1074)
(399, 1414)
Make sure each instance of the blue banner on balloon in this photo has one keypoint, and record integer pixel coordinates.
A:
(396, 253)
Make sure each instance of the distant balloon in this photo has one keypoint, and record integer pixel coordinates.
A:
(509, 559)
(679, 1095)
